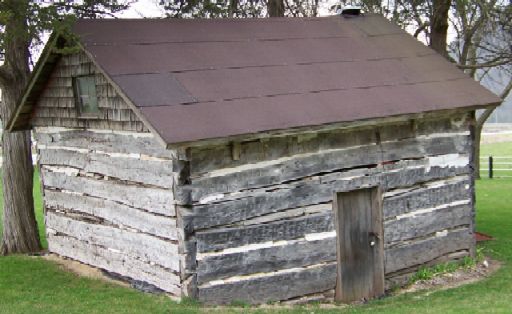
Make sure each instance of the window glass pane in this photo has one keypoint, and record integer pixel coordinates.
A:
(86, 94)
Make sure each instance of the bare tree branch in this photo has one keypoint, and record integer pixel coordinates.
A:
(487, 113)
(489, 64)
(421, 29)
(506, 91)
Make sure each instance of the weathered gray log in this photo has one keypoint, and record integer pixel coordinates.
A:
(456, 121)
(132, 126)
(402, 277)
(105, 142)
(312, 192)
(151, 172)
(188, 255)
(428, 146)
(423, 251)
(294, 227)
(113, 212)
(183, 195)
(136, 245)
(151, 199)
(288, 214)
(115, 262)
(428, 223)
(297, 254)
(319, 297)
(272, 288)
(222, 238)
(426, 197)
(326, 161)
(218, 157)
(426, 126)
(205, 159)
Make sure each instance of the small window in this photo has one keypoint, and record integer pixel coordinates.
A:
(85, 96)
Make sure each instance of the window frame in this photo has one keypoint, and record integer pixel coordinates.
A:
(78, 99)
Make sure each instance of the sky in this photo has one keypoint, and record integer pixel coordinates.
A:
(150, 8)
(143, 8)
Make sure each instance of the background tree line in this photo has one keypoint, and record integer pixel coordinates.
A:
(483, 37)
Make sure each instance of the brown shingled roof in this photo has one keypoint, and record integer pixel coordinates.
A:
(202, 79)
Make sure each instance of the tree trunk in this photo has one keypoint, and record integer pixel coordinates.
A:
(439, 26)
(20, 233)
(275, 8)
(232, 8)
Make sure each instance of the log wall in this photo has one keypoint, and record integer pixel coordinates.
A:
(257, 216)
(109, 202)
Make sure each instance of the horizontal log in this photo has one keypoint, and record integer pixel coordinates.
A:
(288, 214)
(264, 260)
(280, 286)
(297, 254)
(113, 212)
(222, 238)
(205, 159)
(102, 124)
(292, 168)
(150, 172)
(126, 143)
(427, 223)
(217, 157)
(428, 196)
(454, 122)
(136, 245)
(293, 227)
(402, 277)
(423, 251)
(188, 258)
(183, 198)
(315, 192)
(154, 200)
(115, 262)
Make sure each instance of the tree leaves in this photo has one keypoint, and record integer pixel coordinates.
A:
(44, 16)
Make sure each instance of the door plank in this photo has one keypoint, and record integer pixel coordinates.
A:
(360, 266)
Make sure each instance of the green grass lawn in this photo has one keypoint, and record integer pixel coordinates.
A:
(31, 284)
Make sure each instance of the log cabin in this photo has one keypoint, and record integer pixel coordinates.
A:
(255, 160)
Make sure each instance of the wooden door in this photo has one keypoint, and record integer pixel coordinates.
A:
(359, 244)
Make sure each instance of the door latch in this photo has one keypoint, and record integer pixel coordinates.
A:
(373, 238)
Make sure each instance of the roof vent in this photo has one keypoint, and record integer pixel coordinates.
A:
(350, 10)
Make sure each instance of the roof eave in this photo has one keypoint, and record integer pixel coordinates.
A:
(323, 127)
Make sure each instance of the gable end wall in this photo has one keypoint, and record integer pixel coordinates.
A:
(106, 184)
(56, 105)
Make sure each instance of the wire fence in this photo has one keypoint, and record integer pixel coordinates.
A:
(496, 166)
